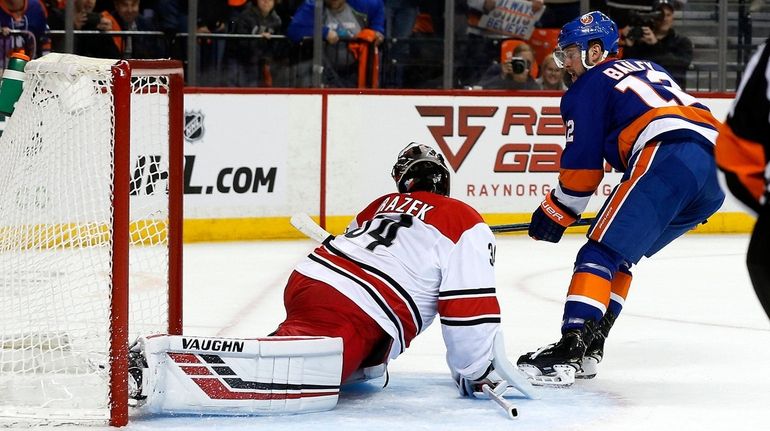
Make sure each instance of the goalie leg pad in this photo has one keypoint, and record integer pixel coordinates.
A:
(272, 375)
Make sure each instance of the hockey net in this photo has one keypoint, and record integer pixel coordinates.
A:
(90, 233)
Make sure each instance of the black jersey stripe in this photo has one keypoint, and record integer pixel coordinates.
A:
(467, 292)
(237, 383)
(410, 302)
(471, 322)
(370, 290)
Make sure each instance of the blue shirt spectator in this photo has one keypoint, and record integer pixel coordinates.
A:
(301, 25)
(28, 16)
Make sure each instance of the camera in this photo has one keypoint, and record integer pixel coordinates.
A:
(637, 20)
(92, 20)
(519, 65)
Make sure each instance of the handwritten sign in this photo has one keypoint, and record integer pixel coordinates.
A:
(513, 18)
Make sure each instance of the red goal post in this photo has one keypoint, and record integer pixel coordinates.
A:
(90, 233)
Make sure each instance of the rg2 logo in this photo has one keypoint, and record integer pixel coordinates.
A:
(538, 157)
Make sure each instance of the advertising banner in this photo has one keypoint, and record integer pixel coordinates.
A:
(503, 152)
(251, 155)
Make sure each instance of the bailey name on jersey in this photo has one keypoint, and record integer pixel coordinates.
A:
(621, 68)
(406, 205)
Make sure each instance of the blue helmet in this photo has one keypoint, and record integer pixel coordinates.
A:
(591, 26)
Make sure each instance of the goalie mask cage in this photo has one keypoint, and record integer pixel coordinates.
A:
(90, 233)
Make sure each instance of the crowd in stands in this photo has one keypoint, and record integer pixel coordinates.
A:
(401, 41)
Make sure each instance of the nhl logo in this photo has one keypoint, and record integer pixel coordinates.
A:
(586, 19)
(193, 126)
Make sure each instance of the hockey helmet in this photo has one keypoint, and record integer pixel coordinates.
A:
(593, 26)
(421, 168)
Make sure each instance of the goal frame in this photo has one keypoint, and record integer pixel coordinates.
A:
(122, 72)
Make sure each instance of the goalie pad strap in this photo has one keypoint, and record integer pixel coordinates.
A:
(241, 376)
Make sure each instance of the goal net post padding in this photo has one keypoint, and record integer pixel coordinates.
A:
(91, 171)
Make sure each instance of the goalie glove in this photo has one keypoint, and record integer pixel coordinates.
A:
(550, 220)
(500, 369)
(473, 388)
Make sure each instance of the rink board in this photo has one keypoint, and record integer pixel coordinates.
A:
(253, 158)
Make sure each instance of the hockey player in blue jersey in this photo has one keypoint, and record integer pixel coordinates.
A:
(631, 114)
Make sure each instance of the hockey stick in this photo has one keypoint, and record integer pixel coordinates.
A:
(518, 227)
(496, 395)
(303, 223)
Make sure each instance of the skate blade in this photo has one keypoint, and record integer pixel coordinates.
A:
(589, 368)
(562, 377)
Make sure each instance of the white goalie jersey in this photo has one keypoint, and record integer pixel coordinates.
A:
(408, 257)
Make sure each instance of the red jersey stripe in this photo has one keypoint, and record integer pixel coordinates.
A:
(468, 307)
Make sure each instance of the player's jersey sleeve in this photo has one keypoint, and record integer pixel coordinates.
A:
(582, 164)
(743, 145)
(467, 302)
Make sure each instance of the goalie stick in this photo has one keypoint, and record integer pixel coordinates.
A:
(496, 394)
(303, 223)
(518, 227)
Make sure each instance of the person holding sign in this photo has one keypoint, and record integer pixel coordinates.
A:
(633, 115)
(489, 22)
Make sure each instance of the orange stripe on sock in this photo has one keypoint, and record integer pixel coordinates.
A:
(591, 286)
(620, 284)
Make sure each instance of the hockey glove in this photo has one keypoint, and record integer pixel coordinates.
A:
(472, 388)
(550, 220)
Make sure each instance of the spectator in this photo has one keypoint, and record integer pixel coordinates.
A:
(400, 17)
(551, 75)
(513, 74)
(558, 12)
(624, 11)
(24, 15)
(215, 17)
(55, 12)
(343, 20)
(426, 68)
(483, 44)
(286, 9)
(254, 56)
(662, 44)
(171, 15)
(125, 17)
(89, 45)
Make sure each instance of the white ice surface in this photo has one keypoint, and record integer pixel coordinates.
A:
(689, 352)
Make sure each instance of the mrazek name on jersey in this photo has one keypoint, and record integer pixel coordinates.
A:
(405, 205)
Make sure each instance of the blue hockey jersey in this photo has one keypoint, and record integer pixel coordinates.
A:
(611, 112)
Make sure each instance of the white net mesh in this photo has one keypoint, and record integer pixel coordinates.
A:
(56, 157)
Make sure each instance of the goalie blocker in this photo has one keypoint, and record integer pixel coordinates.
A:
(272, 375)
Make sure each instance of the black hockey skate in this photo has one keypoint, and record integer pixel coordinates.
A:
(558, 363)
(595, 351)
(137, 364)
